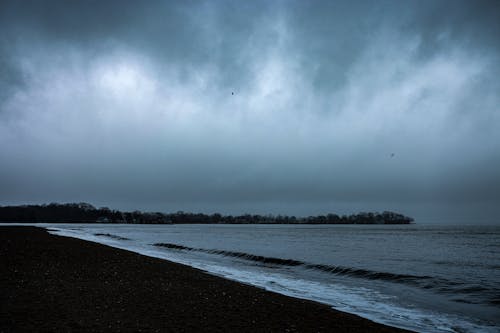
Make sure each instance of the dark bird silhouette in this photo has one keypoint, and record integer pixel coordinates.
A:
(392, 155)
(232, 93)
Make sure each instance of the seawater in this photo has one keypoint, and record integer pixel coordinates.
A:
(420, 277)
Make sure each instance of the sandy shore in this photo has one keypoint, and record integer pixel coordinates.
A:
(52, 283)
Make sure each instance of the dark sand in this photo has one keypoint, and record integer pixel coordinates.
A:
(59, 284)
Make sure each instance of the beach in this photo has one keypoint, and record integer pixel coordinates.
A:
(53, 283)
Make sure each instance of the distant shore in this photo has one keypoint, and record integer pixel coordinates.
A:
(86, 213)
(53, 283)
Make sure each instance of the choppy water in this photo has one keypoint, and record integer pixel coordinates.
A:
(425, 278)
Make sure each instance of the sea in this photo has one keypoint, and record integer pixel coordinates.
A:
(426, 278)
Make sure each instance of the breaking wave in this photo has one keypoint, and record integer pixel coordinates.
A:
(338, 270)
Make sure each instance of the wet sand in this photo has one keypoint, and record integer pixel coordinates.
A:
(62, 284)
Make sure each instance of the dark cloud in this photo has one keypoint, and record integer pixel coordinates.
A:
(469, 23)
(336, 106)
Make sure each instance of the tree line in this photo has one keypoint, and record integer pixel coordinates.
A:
(86, 213)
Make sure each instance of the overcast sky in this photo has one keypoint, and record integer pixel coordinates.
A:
(291, 107)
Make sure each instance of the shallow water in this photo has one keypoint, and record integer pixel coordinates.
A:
(425, 278)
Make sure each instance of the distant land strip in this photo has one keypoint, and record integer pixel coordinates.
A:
(86, 213)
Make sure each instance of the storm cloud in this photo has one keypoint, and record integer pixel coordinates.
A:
(270, 107)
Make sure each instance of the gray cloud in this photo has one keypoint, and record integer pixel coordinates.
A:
(130, 104)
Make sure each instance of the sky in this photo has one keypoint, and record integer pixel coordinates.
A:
(283, 107)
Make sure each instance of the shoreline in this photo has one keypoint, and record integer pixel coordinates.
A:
(58, 283)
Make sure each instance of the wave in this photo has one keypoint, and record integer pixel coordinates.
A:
(337, 270)
(241, 255)
(368, 274)
(112, 236)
